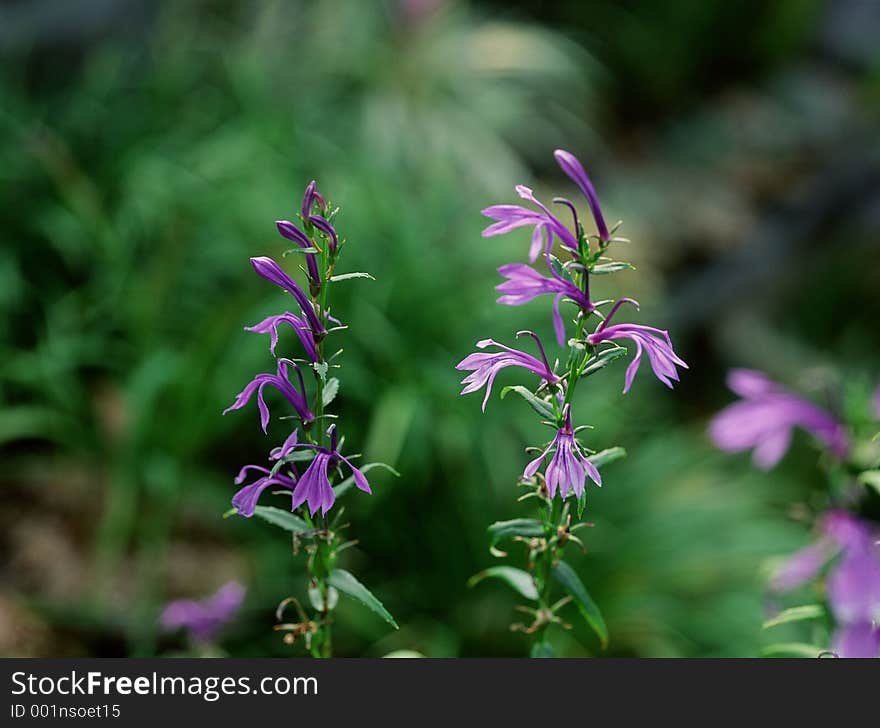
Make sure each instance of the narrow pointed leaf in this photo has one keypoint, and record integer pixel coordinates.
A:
(500, 530)
(613, 267)
(283, 519)
(331, 388)
(603, 359)
(347, 484)
(791, 649)
(603, 457)
(537, 404)
(345, 582)
(349, 276)
(517, 579)
(572, 583)
(796, 614)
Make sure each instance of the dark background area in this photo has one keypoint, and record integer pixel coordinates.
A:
(146, 149)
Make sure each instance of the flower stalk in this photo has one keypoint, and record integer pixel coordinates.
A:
(557, 475)
(308, 466)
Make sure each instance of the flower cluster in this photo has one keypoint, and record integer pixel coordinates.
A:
(562, 466)
(309, 324)
(569, 282)
(309, 466)
(848, 544)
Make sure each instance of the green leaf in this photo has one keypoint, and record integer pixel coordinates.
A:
(346, 484)
(613, 267)
(542, 649)
(602, 360)
(348, 276)
(537, 404)
(571, 582)
(603, 457)
(528, 527)
(559, 269)
(299, 250)
(870, 478)
(796, 614)
(284, 519)
(791, 649)
(520, 581)
(331, 388)
(321, 368)
(345, 582)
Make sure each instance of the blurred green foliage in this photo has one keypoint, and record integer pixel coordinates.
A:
(141, 169)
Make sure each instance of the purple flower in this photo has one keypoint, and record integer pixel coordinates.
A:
(292, 232)
(524, 283)
(314, 486)
(568, 467)
(573, 168)
(853, 582)
(310, 198)
(655, 342)
(245, 500)
(859, 640)
(485, 366)
(510, 217)
(281, 382)
(765, 417)
(270, 325)
(271, 271)
(202, 619)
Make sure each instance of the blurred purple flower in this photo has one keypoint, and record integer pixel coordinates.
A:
(655, 342)
(271, 271)
(765, 417)
(202, 619)
(510, 217)
(853, 582)
(573, 168)
(486, 365)
(292, 232)
(524, 283)
(270, 325)
(568, 467)
(313, 486)
(281, 382)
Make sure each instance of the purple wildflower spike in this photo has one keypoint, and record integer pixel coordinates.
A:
(270, 326)
(655, 342)
(292, 232)
(568, 467)
(524, 283)
(281, 382)
(271, 271)
(486, 365)
(766, 416)
(574, 169)
(313, 487)
(203, 619)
